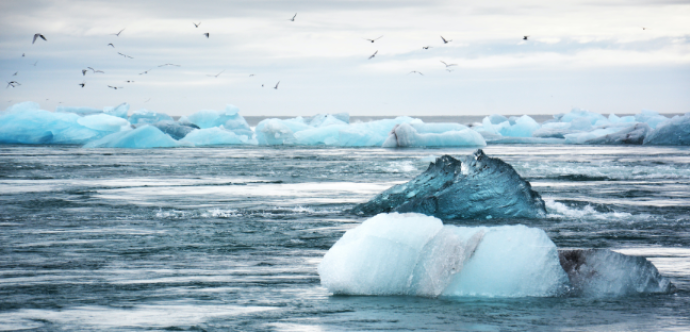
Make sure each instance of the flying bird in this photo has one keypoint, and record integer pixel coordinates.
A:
(262, 85)
(145, 72)
(12, 84)
(125, 55)
(35, 63)
(250, 75)
(525, 37)
(426, 47)
(275, 87)
(147, 100)
(373, 55)
(449, 70)
(23, 55)
(415, 72)
(448, 65)
(118, 34)
(207, 35)
(96, 71)
(129, 81)
(83, 72)
(82, 84)
(446, 41)
(15, 74)
(38, 35)
(115, 87)
(216, 76)
(196, 25)
(111, 44)
(168, 64)
(293, 18)
(373, 40)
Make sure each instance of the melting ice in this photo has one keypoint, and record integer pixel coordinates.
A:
(26, 123)
(414, 254)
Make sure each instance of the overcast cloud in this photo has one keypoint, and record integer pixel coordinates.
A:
(592, 55)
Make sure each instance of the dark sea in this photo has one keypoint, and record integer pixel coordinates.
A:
(229, 238)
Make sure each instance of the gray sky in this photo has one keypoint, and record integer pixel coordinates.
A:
(588, 54)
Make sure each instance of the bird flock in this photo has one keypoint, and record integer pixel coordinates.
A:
(93, 71)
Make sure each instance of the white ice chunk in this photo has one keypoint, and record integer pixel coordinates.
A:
(413, 254)
(405, 135)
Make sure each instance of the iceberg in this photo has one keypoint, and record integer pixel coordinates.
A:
(604, 273)
(144, 137)
(413, 254)
(405, 135)
(83, 111)
(675, 131)
(416, 255)
(26, 123)
(104, 122)
(477, 187)
(216, 136)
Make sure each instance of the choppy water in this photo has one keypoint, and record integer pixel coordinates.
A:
(230, 238)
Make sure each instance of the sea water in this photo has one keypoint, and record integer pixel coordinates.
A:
(230, 238)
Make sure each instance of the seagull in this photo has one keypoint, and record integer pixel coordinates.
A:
(276, 87)
(448, 65)
(373, 55)
(216, 76)
(82, 84)
(38, 35)
(168, 64)
(250, 75)
(15, 83)
(373, 40)
(426, 47)
(415, 72)
(207, 35)
(111, 44)
(118, 34)
(525, 37)
(147, 100)
(262, 85)
(643, 28)
(96, 71)
(83, 72)
(293, 18)
(196, 25)
(35, 63)
(115, 87)
(145, 71)
(449, 70)
(446, 41)
(15, 74)
(129, 81)
(23, 55)
(125, 55)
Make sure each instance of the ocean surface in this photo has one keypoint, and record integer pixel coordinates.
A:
(218, 239)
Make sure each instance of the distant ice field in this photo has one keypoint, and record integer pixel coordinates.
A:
(231, 237)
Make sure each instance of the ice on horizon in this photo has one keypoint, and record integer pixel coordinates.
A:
(27, 123)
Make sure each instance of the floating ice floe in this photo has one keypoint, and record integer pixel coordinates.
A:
(414, 254)
(676, 131)
(475, 187)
